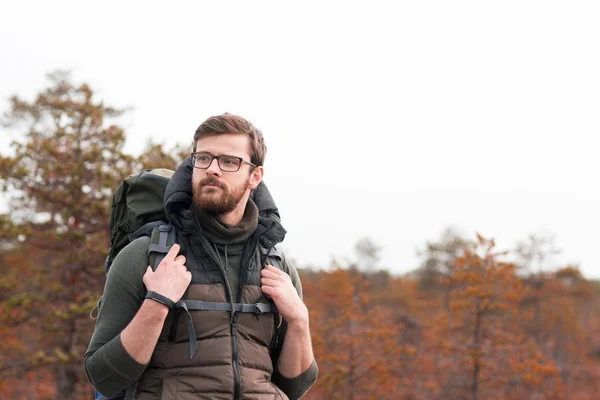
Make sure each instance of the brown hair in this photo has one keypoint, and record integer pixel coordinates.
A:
(230, 123)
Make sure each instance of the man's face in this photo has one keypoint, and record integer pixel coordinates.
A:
(220, 191)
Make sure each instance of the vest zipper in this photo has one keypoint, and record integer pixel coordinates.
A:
(234, 359)
(233, 325)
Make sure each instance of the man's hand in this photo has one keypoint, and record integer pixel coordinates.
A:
(296, 354)
(171, 278)
(277, 285)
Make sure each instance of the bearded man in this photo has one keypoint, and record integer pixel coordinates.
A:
(215, 319)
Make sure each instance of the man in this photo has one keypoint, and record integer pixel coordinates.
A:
(223, 238)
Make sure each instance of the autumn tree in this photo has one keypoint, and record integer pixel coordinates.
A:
(349, 339)
(487, 355)
(365, 350)
(155, 156)
(533, 256)
(17, 338)
(61, 175)
(436, 273)
(567, 299)
(558, 307)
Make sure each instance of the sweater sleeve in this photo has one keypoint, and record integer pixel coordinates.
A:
(294, 387)
(108, 366)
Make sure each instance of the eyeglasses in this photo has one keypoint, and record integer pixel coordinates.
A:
(203, 159)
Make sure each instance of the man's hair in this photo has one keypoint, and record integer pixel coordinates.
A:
(230, 123)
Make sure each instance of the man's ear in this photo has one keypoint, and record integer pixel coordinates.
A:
(256, 177)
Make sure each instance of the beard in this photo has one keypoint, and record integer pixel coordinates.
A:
(218, 201)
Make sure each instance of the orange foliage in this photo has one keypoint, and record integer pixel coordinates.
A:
(393, 341)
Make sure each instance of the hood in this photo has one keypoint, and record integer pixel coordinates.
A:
(178, 204)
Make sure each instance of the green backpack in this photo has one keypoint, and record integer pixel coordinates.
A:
(137, 207)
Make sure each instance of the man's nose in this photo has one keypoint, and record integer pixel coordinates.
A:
(213, 168)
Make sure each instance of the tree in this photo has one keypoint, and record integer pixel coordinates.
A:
(533, 255)
(367, 254)
(437, 269)
(351, 340)
(535, 251)
(488, 355)
(61, 178)
(155, 156)
(565, 313)
(16, 338)
(365, 350)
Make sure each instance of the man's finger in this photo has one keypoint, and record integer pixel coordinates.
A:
(266, 290)
(269, 282)
(274, 270)
(269, 267)
(267, 273)
(270, 290)
(172, 252)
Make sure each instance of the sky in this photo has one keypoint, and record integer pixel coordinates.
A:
(388, 120)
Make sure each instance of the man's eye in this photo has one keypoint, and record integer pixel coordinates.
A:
(230, 161)
(202, 157)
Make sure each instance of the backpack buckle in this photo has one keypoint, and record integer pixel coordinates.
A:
(260, 308)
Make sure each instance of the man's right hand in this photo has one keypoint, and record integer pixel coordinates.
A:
(171, 278)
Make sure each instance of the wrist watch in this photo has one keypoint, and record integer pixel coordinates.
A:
(161, 299)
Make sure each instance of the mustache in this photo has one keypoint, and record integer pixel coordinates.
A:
(211, 181)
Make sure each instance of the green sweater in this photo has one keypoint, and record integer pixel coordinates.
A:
(108, 366)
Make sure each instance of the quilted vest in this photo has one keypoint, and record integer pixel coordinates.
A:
(233, 359)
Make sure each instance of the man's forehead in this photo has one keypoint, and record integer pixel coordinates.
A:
(232, 144)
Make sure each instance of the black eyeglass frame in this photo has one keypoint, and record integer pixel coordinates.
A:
(219, 161)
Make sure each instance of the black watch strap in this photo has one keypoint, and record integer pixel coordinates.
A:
(161, 299)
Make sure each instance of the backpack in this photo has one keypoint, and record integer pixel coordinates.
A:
(137, 209)
(136, 203)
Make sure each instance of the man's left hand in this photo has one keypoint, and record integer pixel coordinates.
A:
(277, 285)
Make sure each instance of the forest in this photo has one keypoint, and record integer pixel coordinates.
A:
(470, 321)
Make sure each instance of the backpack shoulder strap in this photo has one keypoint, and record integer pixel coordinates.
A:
(271, 256)
(161, 240)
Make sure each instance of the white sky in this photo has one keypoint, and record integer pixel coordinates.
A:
(384, 119)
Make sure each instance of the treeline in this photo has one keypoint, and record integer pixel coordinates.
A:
(466, 324)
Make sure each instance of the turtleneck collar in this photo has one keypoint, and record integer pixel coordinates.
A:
(220, 233)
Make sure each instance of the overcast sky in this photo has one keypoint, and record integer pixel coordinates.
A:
(391, 120)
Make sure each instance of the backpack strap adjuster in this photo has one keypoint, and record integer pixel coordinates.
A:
(164, 228)
(260, 308)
